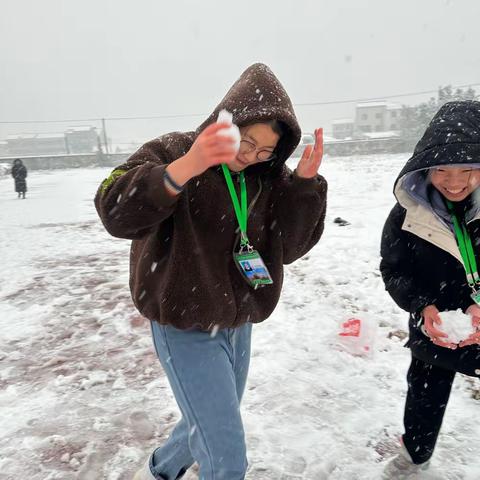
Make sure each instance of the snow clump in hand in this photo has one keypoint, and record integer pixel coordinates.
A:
(225, 116)
(457, 325)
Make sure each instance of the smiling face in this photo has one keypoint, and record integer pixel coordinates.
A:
(455, 183)
(257, 145)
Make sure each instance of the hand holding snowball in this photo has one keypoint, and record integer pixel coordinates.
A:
(211, 149)
(474, 338)
(217, 144)
(431, 319)
(457, 325)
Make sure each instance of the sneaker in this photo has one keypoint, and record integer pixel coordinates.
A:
(401, 466)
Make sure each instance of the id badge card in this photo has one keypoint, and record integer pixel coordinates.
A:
(476, 297)
(253, 269)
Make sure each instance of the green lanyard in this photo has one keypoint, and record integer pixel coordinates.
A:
(466, 249)
(240, 210)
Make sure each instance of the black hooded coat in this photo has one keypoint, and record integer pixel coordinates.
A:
(421, 263)
(19, 173)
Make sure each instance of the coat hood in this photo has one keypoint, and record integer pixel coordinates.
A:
(259, 96)
(451, 139)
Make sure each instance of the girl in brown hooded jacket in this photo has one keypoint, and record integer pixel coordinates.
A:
(207, 257)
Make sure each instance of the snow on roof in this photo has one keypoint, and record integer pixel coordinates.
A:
(30, 136)
(82, 128)
(21, 136)
(50, 135)
(371, 104)
(388, 105)
(386, 134)
(342, 121)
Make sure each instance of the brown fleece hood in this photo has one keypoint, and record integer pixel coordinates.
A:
(258, 96)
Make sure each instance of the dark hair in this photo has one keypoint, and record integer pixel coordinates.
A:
(276, 125)
(282, 130)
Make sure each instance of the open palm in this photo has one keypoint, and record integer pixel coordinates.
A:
(312, 157)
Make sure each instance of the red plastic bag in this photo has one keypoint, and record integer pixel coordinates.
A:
(357, 336)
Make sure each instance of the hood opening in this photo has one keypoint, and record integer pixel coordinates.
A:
(258, 97)
(418, 187)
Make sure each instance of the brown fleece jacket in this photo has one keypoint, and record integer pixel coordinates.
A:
(182, 271)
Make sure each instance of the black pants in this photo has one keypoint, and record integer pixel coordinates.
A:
(427, 397)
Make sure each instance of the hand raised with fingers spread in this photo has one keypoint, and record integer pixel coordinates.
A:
(312, 157)
(431, 318)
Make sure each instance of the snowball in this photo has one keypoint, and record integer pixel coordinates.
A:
(456, 324)
(226, 117)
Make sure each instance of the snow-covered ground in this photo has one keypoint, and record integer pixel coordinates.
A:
(82, 395)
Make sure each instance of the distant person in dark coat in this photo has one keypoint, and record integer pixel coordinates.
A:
(19, 173)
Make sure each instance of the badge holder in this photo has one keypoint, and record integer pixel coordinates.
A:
(251, 265)
(475, 295)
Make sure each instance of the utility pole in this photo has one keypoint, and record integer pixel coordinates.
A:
(105, 141)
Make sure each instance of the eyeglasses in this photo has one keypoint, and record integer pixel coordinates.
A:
(262, 155)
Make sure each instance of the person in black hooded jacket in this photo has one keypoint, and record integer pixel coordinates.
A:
(426, 270)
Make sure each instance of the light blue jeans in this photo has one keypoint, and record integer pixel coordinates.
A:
(207, 374)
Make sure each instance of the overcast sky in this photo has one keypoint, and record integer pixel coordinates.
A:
(67, 59)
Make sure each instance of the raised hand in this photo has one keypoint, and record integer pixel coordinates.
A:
(208, 150)
(312, 157)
